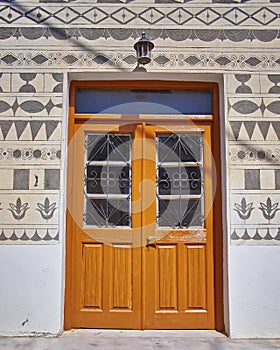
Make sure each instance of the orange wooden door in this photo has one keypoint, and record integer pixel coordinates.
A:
(141, 223)
(106, 254)
(178, 228)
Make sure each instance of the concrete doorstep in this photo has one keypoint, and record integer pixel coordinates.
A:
(137, 340)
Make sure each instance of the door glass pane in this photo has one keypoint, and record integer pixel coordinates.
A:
(180, 180)
(108, 180)
(186, 148)
(176, 179)
(107, 212)
(111, 147)
(180, 212)
(135, 101)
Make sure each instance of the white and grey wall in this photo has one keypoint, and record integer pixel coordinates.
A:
(44, 44)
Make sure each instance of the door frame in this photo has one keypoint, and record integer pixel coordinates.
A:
(217, 204)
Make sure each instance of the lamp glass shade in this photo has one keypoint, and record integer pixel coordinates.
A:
(143, 49)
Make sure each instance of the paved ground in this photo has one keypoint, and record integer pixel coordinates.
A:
(137, 340)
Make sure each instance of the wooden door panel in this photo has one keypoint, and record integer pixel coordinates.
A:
(196, 277)
(92, 277)
(121, 277)
(119, 281)
(181, 267)
(181, 297)
(106, 286)
(167, 277)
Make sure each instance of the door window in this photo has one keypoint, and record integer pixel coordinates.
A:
(180, 180)
(108, 180)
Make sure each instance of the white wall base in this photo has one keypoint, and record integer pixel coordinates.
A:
(30, 293)
(254, 292)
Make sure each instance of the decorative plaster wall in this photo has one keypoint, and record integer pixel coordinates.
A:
(56, 35)
(254, 157)
(42, 41)
(30, 156)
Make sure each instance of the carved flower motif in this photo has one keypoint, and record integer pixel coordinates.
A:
(269, 210)
(46, 209)
(18, 209)
(243, 209)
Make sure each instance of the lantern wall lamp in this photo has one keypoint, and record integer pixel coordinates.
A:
(143, 49)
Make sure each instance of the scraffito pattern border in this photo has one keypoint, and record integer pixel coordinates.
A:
(28, 235)
(191, 14)
(122, 34)
(119, 60)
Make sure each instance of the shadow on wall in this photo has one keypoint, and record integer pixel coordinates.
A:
(67, 34)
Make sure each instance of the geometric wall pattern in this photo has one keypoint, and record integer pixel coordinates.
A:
(23, 179)
(117, 60)
(255, 179)
(219, 13)
(255, 130)
(257, 107)
(31, 154)
(254, 154)
(29, 209)
(255, 236)
(86, 35)
(30, 82)
(27, 235)
(30, 130)
(31, 135)
(24, 106)
(253, 133)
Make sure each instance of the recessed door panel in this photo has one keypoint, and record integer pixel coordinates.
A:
(196, 277)
(167, 278)
(93, 275)
(121, 277)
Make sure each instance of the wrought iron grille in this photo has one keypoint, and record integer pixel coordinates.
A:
(108, 180)
(180, 180)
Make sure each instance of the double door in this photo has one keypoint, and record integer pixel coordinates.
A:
(141, 226)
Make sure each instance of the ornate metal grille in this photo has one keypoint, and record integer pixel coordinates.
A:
(180, 180)
(108, 180)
